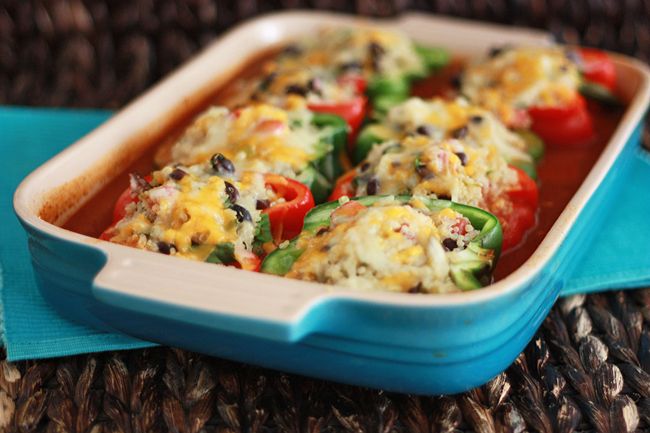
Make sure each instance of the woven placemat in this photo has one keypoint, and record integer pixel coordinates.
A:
(588, 368)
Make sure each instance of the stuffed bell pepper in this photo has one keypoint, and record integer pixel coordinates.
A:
(297, 144)
(536, 88)
(315, 88)
(393, 243)
(206, 212)
(540, 89)
(383, 62)
(440, 119)
(448, 169)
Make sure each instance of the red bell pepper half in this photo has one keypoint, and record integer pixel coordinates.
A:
(353, 112)
(286, 217)
(516, 221)
(344, 186)
(563, 126)
(597, 67)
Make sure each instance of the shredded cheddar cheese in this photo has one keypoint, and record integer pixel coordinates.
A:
(519, 78)
(388, 245)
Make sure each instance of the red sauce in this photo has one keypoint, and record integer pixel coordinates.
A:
(561, 172)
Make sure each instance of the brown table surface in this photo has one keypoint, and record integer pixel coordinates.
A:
(588, 368)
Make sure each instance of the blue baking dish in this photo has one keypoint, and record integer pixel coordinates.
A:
(409, 343)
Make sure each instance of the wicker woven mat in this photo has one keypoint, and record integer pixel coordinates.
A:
(588, 368)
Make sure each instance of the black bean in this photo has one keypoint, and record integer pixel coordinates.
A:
(421, 168)
(424, 130)
(242, 213)
(267, 81)
(296, 89)
(423, 171)
(221, 164)
(456, 81)
(164, 248)
(449, 244)
(484, 275)
(463, 158)
(365, 166)
(315, 85)
(138, 184)
(459, 132)
(495, 51)
(416, 289)
(373, 186)
(375, 50)
(262, 204)
(292, 50)
(573, 56)
(321, 231)
(350, 66)
(476, 119)
(231, 192)
(177, 174)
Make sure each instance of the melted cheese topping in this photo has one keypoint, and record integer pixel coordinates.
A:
(520, 78)
(188, 217)
(444, 119)
(389, 246)
(256, 138)
(297, 87)
(449, 168)
(372, 51)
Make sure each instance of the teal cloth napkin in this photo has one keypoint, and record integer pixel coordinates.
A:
(32, 330)
(29, 137)
(619, 257)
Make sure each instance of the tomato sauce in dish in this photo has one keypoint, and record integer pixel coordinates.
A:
(561, 171)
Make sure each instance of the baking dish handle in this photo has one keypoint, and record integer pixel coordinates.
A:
(263, 306)
(617, 257)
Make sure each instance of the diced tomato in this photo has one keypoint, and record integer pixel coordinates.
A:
(353, 111)
(357, 81)
(287, 217)
(249, 263)
(563, 126)
(343, 186)
(347, 210)
(460, 227)
(270, 127)
(597, 67)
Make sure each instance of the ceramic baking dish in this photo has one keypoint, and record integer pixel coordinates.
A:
(420, 344)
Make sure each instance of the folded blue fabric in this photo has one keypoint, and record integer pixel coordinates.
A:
(618, 257)
(32, 329)
(29, 137)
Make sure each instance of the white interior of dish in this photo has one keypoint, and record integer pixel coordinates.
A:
(227, 290)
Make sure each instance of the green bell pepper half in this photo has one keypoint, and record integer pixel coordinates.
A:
(471, 270)
(371, 134)
(599, 93)
(321, 174)
(385, 92)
